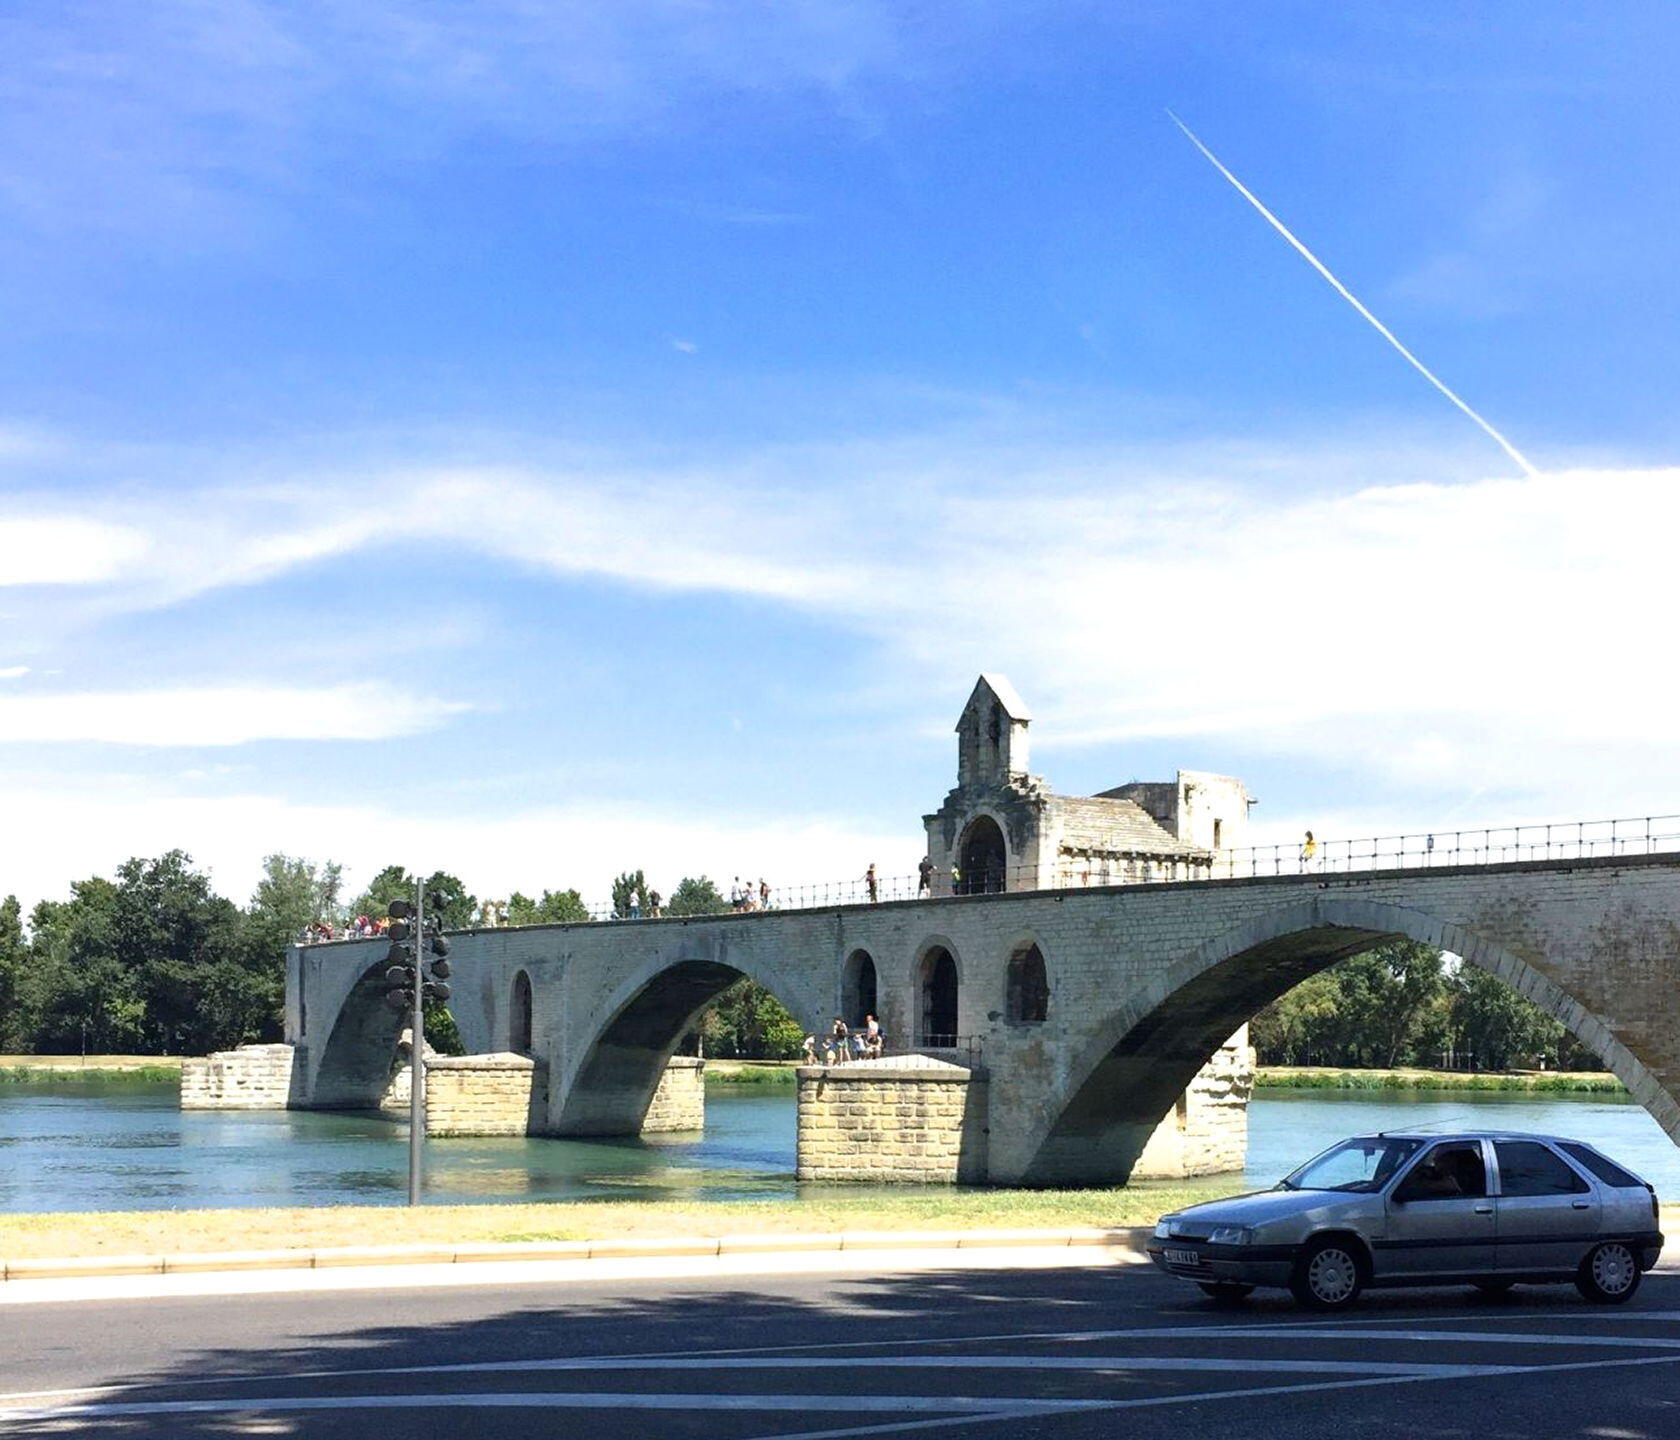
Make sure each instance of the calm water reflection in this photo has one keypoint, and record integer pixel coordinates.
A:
(121, 1147)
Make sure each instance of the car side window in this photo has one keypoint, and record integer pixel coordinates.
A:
(1527, 1167)
(1454, 1171)
(1606, 1169)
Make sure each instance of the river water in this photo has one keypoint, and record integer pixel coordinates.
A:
(125, 1146)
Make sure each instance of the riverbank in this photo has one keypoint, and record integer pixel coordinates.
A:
(145, 1069)
(153, 1232)
(1535, 1082)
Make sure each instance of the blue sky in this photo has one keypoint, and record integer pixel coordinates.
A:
(540, 440)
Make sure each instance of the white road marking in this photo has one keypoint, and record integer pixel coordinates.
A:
(1489, 1337)
(963, 1362)
(969, 1409)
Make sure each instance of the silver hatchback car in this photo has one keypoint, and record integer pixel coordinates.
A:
(1491, 1209)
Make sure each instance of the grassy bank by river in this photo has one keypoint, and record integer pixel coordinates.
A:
(145, 1069)
(818, 1211)
(1313, 1077)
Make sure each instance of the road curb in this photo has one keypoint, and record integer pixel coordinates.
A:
(1129, 1238)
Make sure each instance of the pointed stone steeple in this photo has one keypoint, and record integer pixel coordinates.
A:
(992, 734)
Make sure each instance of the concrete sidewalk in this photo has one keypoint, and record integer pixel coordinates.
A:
(400, 1266)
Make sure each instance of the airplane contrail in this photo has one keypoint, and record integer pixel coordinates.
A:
(1353, 300)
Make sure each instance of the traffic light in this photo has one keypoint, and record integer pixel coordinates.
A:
(399, 959)
(438, 947)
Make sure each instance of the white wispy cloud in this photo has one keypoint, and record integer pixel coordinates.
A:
(218, 716)
(13, 672)
(1466, 638)
(65, 549)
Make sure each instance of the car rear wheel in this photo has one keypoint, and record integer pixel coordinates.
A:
(1609, 1275)
(1226, 1290)
(1328, 1276)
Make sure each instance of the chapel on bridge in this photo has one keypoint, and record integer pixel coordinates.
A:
(1003, 828)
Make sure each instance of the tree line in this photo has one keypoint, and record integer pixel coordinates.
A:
(154, 962)
(1407, 1004)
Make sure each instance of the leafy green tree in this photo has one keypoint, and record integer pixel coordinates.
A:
(749, 1023)
(556, 907)
(696, 897)
(1298, 1027)
(83, 999)
(1498, 1027)
(293, 893)
(446, 896)
(14, 965)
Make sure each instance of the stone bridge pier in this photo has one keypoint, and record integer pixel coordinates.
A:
(1092, 1009)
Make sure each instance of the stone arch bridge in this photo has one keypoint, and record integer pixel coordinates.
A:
(1141, 984)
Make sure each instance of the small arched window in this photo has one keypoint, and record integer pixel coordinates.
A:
(937, 982)
(1028, 1000)
(520, 1023)
(859, 996)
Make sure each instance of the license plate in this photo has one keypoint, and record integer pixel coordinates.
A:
(1182, 1257)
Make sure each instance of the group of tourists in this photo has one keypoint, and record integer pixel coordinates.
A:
(641, 904)
(744, 895)
(842, 1043)
(363, 927)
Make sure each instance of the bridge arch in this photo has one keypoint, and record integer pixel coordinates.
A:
(1142, 1057)
(356, 1057)
(646, 1019)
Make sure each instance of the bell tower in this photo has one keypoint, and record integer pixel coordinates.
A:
(992, 735)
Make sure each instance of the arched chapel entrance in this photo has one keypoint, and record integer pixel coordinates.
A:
(982, 859)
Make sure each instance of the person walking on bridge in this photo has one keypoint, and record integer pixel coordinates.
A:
(924, 876)
(871, 883)
(1309, 851)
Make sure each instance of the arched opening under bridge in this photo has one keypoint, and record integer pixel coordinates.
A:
(1148, 1051)
(622, 1067)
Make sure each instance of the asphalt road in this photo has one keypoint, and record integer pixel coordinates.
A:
(1059, 1353)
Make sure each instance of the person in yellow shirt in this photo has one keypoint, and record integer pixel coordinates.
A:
(1309, 851)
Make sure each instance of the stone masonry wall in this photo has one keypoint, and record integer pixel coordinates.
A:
(1207, 1131)
(680, 1101)
(1594, 941)
(484, 1094)
(253, 1077)
(907, 1120)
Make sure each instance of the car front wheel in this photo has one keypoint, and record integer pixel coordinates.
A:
(1328, 1275)
(1609, 1275)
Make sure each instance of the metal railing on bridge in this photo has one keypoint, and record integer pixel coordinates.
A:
(1488, 845)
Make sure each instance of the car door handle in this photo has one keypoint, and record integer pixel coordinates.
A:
(1580, 1204)
(1484, 1209)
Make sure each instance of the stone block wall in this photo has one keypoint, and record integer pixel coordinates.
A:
(680, 1101)
(253, 1077)
(906, 1120)
(484, 1094)
(1206, 1133)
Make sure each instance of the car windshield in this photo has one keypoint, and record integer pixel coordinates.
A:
(1358, 1166)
